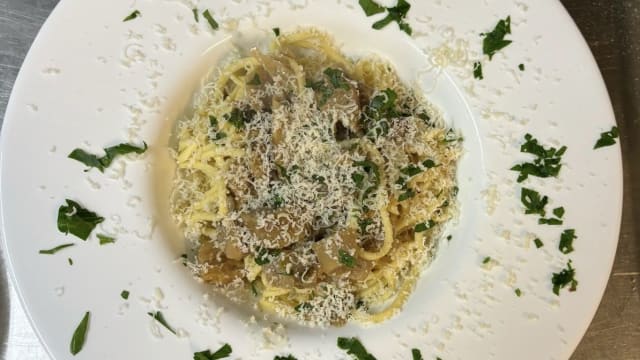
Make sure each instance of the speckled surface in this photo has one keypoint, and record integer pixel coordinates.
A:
(610, 27)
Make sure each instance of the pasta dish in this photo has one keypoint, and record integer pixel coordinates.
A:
(315, 184)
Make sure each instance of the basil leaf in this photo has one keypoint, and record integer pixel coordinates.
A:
(210, 20)
(477, 70)
(79, 335)
(132, 16)
(370, 7)
(346, 259)
(564, 278)
(495, 41)
(101, 163)
(354, 347)
(157, 316)
(77, 220)
(125, 294)
(55, 249)
(608, 138)
(416, 355)
(104, 239)
(223, 352)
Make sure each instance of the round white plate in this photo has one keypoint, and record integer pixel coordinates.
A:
(91, 81)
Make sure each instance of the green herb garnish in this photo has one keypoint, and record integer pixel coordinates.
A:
(195, 14)
(406, 195)
(363, 223)
(521, 67)
(533, 202)
(77, 220)
(288, 357)
(564, 278)
(397, 13)
(416, 354)
(354, 347)
(538, 243)
(559, 212)
(477, 70)
(357, 179)
(238, 118)
(486, 260)
(429, 164)
(518, 292)
(547, 163)
(101, 163)
(207, 15)
(132, 16)
(566, 241)
(104, 239)
(495, 41)
(550, 221)
(302, 307)
(422, 227)
(70, 260)
(55, 249)
(336, 78)
(608, 138)
(276, 31)
(346, 259)
(125, 294)
(411, 170)
(255, 81)
(370, 7)
(157, 316)
(264, 256)
(80, 335)
(321, 88)
(222, 353)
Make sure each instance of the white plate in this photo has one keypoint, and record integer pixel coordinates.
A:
(91, 81)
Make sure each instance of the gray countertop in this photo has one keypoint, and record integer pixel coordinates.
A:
(612, 28)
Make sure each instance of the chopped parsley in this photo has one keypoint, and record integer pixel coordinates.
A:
(357, 179)
(195, 14)
(429, 164)
(397, 13)
(564, 278)
(416, 354)
(477, 70)
(371, 168)
(321, 88)
(238, 118)
(336, 78)
(354, 347)
(104, 239)
(157, 316)
(424, 226)
(132, 16)
(363, 224)
(276, 31)
(406, 195)
(608, 138)
(521, 67)
(207, 15)
(288, 357)
(566, 241)
(70, 260)
(80, 335)
(346, 259)
(550, 221)
(221, 353)
(486, 260)
(101, 163)
(370, 7)
(77, 220)
(518, 292)
(533, 202)
(559, 212)
(546, 164)
(255, 81)
(411, 170)
(55, 249)
(495, 41)
(305, 306)
(538, 243)
(125, 294)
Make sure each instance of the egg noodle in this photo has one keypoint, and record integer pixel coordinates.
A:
(315, 184)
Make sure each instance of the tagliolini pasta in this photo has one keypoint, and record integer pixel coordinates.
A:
(315, 184)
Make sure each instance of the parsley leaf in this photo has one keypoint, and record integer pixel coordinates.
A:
(125, 294)
(486, 260)
(104, 239)
(521, 67)
(538, 243)
(397, 13)
(354, 347)
(357, 179)
(518, 292)
(363, 224)
(288, 357)
(429, 164)
(101, 163)
(79, 335)
(422, 227)
(533, 202)
(157, 316)
(207, 15)
(346, 259)
(550, 221)
(416, 354)
(336, 78)
(477, 70)
(564, 278)
(547, 163)
(276, 31)
(558, 212)
(55, 249)
(222, 353)
(238, 118)
(304, 306)
(406, 195)
(321, 88)
(195, 14)
(566, 241)
(132, 16)
(495, 41)
(77, 220)
(371, 168)
(608, 138)
(411, 170)
(370, 7)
